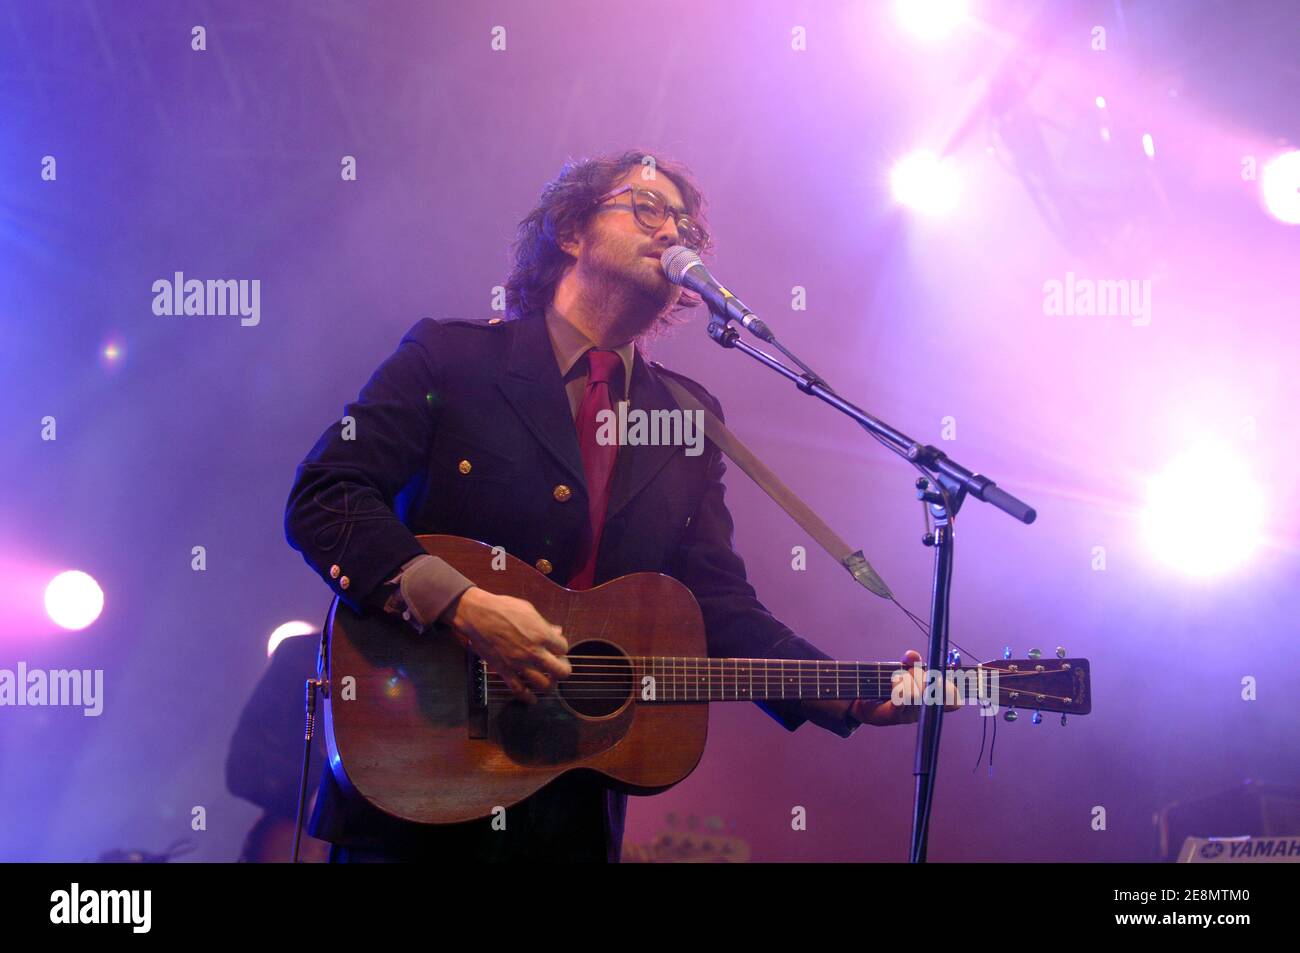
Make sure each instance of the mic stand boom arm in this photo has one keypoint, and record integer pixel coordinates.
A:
(944, 489)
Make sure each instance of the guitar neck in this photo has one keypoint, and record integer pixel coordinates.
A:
(677, 679)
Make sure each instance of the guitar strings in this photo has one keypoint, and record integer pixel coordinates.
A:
(713, 665)
(685, 693)
(659, 672)
(682, 683)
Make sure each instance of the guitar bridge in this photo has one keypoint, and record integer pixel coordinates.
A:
(476, 722)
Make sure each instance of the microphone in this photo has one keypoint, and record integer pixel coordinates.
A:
(683, 267)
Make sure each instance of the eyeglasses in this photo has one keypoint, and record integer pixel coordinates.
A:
(651, 210)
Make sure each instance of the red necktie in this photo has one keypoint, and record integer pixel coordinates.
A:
(597, 458)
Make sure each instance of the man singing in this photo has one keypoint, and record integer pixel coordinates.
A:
(487, 429)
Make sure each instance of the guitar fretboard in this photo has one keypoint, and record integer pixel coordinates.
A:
(741, 679)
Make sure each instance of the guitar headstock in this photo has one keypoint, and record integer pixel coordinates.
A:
(1038, 684)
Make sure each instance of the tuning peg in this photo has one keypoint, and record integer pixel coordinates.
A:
(1060, 651)
(1006, 652)
(1035, 653)
(1011, 715)
(1063, 720)
(1037, 719)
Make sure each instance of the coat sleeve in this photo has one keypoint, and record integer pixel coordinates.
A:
(736, 623)
(340, 510)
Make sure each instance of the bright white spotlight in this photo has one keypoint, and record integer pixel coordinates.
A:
(1279, 184)
(923, 181)
(288, 631)
(1205, 512)
(73, 599)
(930, 19)
(1148, 145)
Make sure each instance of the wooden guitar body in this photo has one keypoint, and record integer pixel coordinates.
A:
(408, 730)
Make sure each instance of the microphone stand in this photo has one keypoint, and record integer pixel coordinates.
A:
(943, 488)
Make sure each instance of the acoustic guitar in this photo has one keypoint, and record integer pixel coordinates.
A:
(421, 728)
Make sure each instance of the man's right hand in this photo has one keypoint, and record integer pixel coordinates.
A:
(513, 638)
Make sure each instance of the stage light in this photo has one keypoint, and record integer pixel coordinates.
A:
(1279, 184)
(73, 599)
(1148, 145)
(112, 354)
(288, 631)
(930, 20)
(1101, 102)
(1204, 512)
(924, 182)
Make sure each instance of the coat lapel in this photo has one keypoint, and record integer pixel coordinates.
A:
(533, 386)
(636, 466)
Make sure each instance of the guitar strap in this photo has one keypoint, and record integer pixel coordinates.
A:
(760, 473)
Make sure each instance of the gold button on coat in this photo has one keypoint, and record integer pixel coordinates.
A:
(334, 571)
(465, 466)
(544, 566)
(562, 493)
(344, 582)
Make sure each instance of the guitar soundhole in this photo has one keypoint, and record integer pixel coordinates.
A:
(601, 682)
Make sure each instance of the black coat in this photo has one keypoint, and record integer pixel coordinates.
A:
(490, 392)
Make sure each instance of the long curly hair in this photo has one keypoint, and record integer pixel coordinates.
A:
(566, 205)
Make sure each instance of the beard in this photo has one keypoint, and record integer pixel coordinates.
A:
(628, 293)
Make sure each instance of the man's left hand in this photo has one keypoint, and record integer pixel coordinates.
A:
(871, 711)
